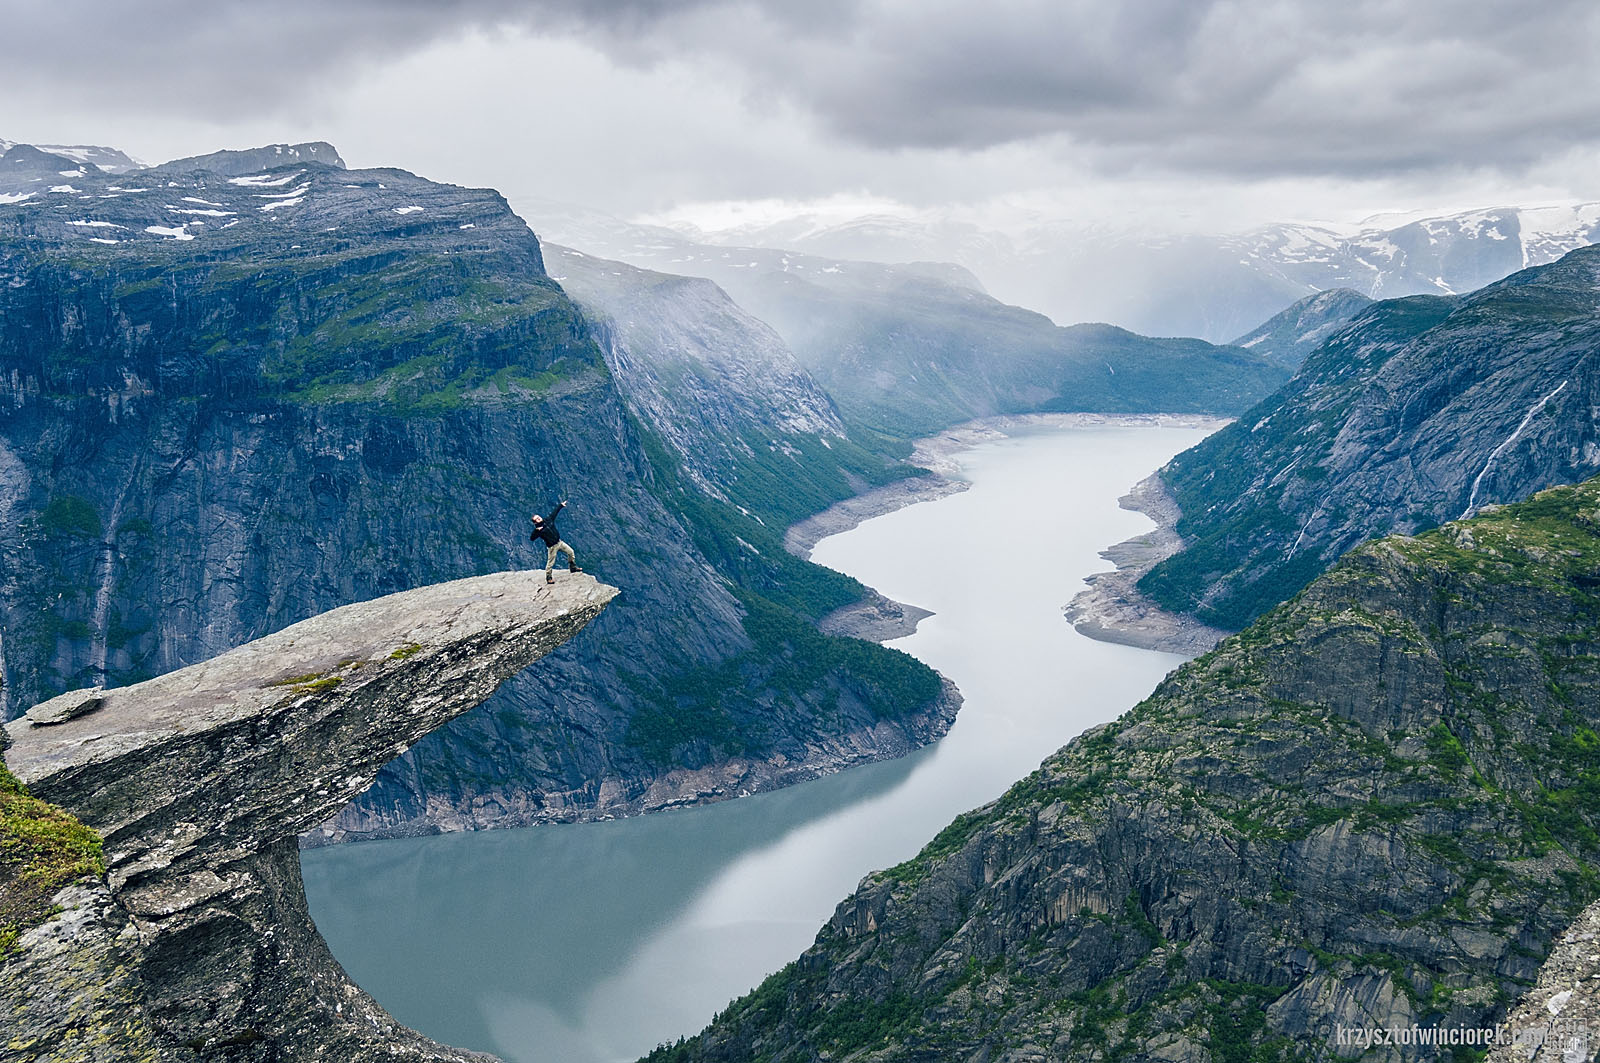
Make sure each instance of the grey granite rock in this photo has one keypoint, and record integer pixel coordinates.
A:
(200, 781)
(68, 706)
(1559, 1019)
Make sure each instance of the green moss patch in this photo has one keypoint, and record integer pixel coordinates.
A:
(42, 849)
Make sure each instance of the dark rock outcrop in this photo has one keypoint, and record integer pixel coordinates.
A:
(198, 945)
(1377, 807)
(255, 160)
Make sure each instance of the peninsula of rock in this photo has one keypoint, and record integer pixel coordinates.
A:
(198, 944)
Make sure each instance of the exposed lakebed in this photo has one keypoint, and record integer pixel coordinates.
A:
(593, 942)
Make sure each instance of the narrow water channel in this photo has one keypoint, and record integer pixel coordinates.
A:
(591, 943)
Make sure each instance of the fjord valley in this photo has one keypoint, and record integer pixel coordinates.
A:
(1373, 808)
(286, 389)
(241, 390)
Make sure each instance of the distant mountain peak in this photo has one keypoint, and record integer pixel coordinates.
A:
(254, 160)
(110, 160)
(1294, 332)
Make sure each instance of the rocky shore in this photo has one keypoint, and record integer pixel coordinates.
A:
(1112, 609)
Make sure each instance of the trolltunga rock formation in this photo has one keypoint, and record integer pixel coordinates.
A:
(198, 944)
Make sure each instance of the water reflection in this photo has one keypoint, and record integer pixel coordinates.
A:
(486, 940)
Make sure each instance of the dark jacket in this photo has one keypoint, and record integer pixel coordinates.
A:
(547, 530)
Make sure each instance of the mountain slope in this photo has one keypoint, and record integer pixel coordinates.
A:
(1379, 806)
(1416, 412)
(913, 355)
(1288, 337)
(233, 401)
(723, 390)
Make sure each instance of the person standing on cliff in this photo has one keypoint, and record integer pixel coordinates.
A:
(544, 528)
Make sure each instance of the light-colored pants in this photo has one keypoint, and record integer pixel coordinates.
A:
(550, 556)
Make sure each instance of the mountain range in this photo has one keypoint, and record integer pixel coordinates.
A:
(1213, 285)
(906, 350)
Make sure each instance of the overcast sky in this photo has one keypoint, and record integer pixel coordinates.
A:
(1222, 112)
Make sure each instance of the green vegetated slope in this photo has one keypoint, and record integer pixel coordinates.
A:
(1376, 806)
(42, 848)
(1417, 411)
(236, 400)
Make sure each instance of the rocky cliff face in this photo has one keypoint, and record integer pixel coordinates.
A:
(1378, 806)
(198, 943)
(1418, 411)
(697, 365)
(723, 390)
(230, 402)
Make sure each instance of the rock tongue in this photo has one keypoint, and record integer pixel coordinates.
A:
(68, 706)
(201, 780)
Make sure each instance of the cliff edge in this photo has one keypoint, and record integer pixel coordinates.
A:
(198, 942)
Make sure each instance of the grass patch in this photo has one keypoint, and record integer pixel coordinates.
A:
(42, 848)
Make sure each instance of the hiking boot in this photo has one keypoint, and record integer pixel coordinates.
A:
(548, 578)
(574, 568)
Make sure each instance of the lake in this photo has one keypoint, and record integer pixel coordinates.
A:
(591, 943)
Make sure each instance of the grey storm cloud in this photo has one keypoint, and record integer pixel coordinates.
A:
(1247, 88)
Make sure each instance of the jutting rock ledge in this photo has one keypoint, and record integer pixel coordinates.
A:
(199, 944)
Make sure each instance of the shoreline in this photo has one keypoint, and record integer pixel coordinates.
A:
(680, 787)
(1112, 608)
(878, 618)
